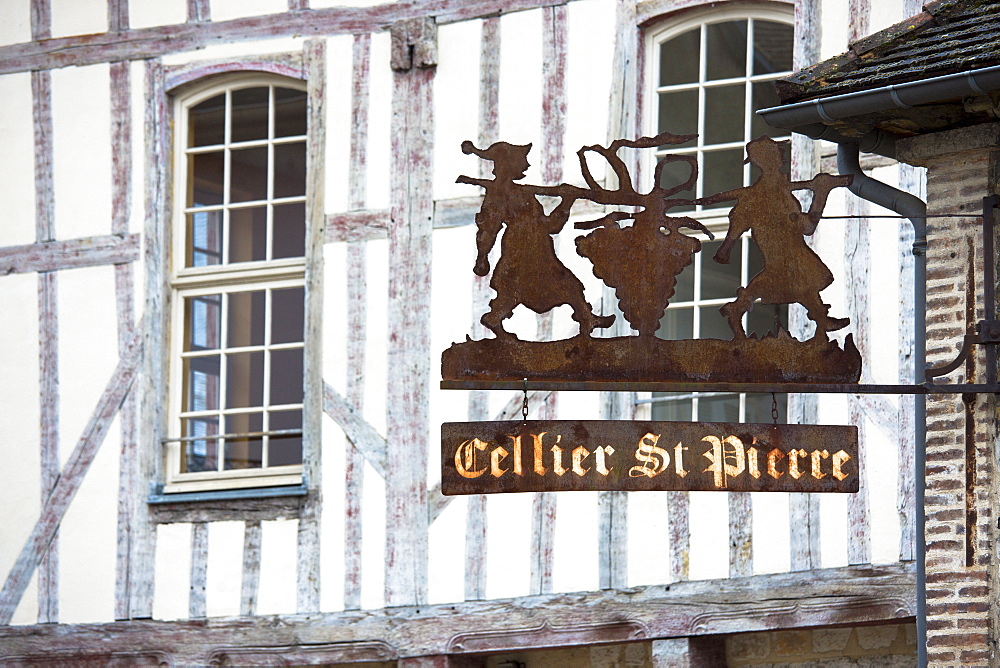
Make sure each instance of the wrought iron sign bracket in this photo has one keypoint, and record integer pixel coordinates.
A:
(759, 388)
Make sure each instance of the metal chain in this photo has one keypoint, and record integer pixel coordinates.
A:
(524, 405)
(774, 408)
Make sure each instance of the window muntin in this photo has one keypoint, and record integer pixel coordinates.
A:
(238, 294)
(707, 76)
(709, 79)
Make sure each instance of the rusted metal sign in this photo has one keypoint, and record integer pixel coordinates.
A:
(641, 260)
(551, 456)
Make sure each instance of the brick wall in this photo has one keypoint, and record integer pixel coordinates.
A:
(958, 528)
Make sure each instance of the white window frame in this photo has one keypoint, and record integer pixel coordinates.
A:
(223, 278)
(715, 219)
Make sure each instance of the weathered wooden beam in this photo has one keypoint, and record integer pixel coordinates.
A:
(199, 11)
(371, 224)
(69, 254)
(153, 389)
(361, 434)
(41, 19)
(199, 570)
(857, 252)
(199, 32)
(835, 596)
(228, 510)
(283, 64)
(121, 197)
(308, 570)
(118, 19)
(803, 509)
(678, 510)
(407, 426)
(740, 534)
(251, 568)
(48, 328)
(357, 308)
(70, 479)
(476, 519)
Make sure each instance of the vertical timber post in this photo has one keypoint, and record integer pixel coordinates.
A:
(413, 61)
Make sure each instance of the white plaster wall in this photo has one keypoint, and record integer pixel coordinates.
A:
(16, 25)
(224, 578)
(81, 144)
(223, 10)
(379, 123)
(456, 107)
(172, 576)
(151, 13)
(236, 49)
(590, 29)
(78, 17)
(521, 84)
(20, 495)
(278, 541)
(338, 123)
(17, 169)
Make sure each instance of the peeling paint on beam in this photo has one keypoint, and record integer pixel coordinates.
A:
(69, 254)
(200, 32)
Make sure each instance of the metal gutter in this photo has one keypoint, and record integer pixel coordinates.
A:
(829, 110)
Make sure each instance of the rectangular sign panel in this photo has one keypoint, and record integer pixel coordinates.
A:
(557, 455)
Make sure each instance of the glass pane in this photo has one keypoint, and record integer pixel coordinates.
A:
(289, 230)
(679, 114)
(202, 322)
(765, 318)
(246, 319)
(284, 450)
(673, 174)
(684, 292)
(204, 238)
(758, 408)
(287, 311)
(244, 379)
(724, 107)
(290, 170)
(772, 47)
(671, 410)
(719, 409)
(679, 58)
(249, 174)
(713, 324)
(719, 281)
(726, 50)
(244, 453)
(206, 170)
(289, 112)
(764, 96)
(201, 383)
(249, 114)
(676, 323)
(248, 234)
(286, 377)
(200, 455)
(723, 170)
(208, 122)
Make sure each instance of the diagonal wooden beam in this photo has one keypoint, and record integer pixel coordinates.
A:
(69, 254)
(71, 477)
(361, 434)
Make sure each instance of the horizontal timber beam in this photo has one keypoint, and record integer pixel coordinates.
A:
(834, 596)
(162, 40)
(69, 254)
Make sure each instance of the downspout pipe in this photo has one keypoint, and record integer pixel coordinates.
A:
(915, 209)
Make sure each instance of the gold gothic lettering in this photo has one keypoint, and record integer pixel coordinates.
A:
(557, 453)
(654, 459)
(679, 460)
(773, 458)
(579, 454)
(816, 455)
(793, 462)
(600, 459)
(752, 467)
(839, 458)
(465, 458)
(496, 457)
(719, 457)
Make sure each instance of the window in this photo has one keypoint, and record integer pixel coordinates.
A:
(238, 287)
(706, 76)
